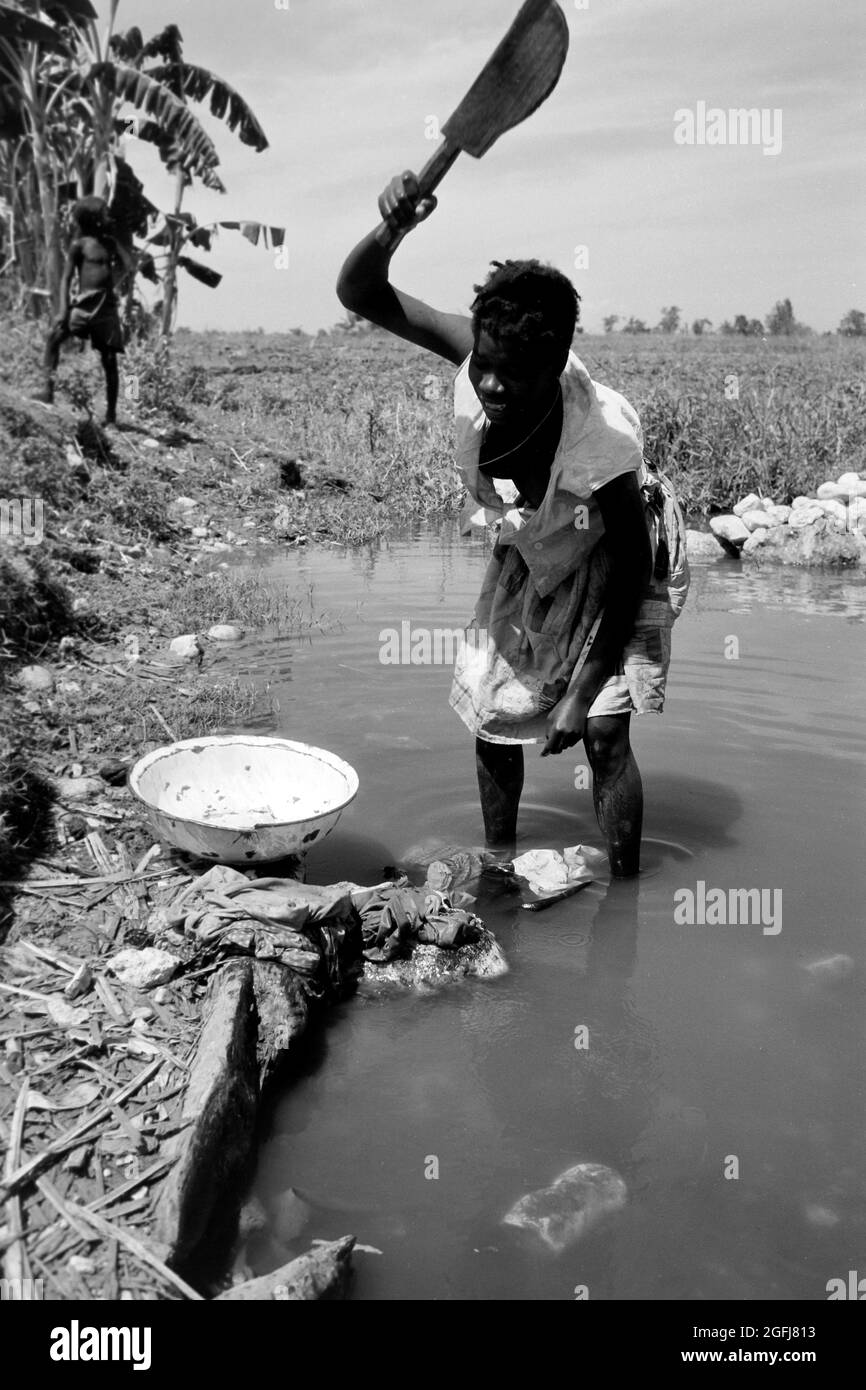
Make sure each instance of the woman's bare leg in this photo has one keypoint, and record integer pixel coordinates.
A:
(617, 790)
(500, 782)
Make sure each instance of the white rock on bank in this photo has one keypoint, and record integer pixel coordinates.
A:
(747, 504)
(35, 678)
(777, 535)
(702, 545)
(184, 504)
(826, 544)
(836, 511)
(61, 1013)
(805, 516)
(575, 1201)
(802, 501)
(778, 513)
(730, 531)
(225, 632)
(830, 490)
(188, 646)
(144, 969)
(755, 518)
(77, 788)
(756, 540)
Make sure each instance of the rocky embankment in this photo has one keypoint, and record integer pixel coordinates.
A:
(828, 529)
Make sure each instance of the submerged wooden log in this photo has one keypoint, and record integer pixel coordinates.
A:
(322, 1273)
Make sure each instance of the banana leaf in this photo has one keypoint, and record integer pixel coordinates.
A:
(225, 103)
(176, 119)
(208, 277)
(65, 11)
(18, 28)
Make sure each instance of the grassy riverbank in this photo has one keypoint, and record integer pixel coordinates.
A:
(238, 445)
(287, 440)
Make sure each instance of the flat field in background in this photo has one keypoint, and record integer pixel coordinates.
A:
(721, 415)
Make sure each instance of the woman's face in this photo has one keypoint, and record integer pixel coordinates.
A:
(512, 386)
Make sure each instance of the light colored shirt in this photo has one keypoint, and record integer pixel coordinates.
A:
(601, 439)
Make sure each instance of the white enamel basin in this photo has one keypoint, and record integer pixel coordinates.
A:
(238, 798)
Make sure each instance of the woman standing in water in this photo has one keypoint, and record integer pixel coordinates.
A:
(571, 634)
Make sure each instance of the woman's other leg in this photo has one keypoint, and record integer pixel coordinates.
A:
(617, 791)
(500, 782)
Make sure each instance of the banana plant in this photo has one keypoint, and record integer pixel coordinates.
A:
(186, 82)
(179, 231)
(37, 44)
(64, 85)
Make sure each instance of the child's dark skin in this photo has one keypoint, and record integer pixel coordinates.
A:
(516, 393)
(91, 257)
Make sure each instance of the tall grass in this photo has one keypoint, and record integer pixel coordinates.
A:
(247, 599)
(722, 416)
(725, 416)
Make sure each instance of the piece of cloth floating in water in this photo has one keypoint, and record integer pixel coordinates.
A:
(446, 866)
(547, 871)
(460, 866)
(394, 915)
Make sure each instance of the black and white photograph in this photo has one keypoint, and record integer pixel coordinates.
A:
(432, 669)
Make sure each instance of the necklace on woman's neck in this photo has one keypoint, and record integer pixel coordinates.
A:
(534, 430)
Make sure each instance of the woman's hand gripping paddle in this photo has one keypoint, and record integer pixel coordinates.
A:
(522, 72)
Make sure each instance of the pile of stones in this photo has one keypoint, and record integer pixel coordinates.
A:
(829, 528)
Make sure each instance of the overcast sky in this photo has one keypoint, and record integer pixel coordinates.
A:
(343, 89)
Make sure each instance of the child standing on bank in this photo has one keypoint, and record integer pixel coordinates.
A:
(92, 312)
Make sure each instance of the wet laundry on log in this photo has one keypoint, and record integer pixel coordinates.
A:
(324, 932)
(314, 930)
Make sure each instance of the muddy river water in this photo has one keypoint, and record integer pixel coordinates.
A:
(710, 1065)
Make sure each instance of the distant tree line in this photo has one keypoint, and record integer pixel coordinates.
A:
(780, 322)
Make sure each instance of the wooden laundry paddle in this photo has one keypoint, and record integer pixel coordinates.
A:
(523, 71)
(541, 903)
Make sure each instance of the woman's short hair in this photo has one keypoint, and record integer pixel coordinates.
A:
(527, 304)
